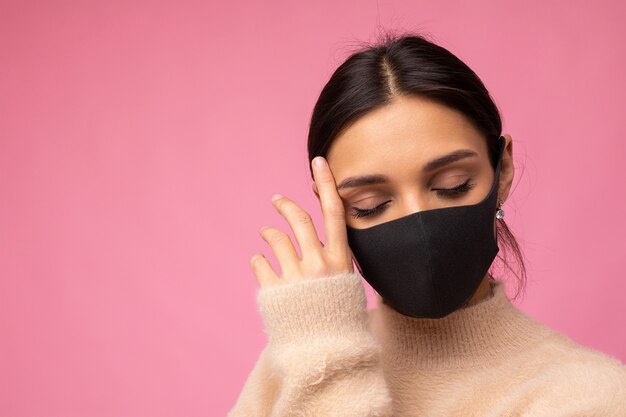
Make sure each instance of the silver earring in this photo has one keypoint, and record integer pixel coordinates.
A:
(499, 212)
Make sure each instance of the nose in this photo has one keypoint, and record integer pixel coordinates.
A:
(411, 200)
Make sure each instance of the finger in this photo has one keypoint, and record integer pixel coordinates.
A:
(263, 271)
(283, 248)
(301, 223)
(332, 206)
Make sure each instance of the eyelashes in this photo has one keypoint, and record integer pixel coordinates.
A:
(358, 213)
(446, 193)
(454, 191)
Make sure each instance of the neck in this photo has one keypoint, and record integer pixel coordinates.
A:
(483, 292)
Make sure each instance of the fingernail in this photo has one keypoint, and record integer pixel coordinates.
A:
(318, 161)
(276, 197)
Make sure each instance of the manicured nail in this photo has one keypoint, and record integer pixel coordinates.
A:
(276, 197)
(319, 162)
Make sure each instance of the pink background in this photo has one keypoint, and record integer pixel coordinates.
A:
(141, 141)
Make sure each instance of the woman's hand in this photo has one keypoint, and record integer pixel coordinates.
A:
(317, 260)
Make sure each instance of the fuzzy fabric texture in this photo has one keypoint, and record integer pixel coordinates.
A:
(327, 355)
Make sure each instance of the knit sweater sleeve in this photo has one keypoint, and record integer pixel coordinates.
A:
(581, 383)
(321, 359)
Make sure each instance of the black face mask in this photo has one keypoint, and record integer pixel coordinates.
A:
(430, 263)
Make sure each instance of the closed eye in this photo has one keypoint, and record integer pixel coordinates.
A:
(446, 193)
(454, 191)
(358, 213)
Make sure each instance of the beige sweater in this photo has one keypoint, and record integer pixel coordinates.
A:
(327, 355)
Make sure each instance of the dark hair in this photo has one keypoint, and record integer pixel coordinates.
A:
(408, 64)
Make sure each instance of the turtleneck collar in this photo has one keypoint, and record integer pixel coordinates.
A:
(490, 330)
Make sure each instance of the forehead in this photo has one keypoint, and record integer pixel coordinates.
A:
(409, 131)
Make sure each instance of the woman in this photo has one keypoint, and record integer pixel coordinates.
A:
(411, 171)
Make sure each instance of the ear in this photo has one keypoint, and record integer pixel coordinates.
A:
(314, 188)
(507, 170)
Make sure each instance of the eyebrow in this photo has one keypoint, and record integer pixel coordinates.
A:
(436, 163)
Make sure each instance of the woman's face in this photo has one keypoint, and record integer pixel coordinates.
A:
(412, 155)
